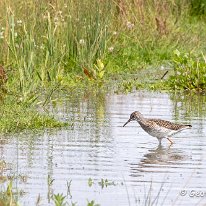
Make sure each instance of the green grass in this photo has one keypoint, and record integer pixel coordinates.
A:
(16, 117)
(53, 43)
(189, 72)
(7, 197)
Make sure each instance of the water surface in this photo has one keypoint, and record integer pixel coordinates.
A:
(96, 147)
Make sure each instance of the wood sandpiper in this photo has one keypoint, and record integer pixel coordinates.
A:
(157, 127)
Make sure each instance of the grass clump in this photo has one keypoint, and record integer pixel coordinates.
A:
(7, 197)
(189, 72)
(16, 117)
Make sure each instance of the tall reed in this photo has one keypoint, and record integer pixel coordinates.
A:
(41, 42)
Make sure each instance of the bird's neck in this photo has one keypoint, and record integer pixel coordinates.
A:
(141, 120)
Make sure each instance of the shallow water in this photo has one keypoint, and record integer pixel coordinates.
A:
(96, 146)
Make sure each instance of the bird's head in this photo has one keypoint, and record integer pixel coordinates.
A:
(134, 116)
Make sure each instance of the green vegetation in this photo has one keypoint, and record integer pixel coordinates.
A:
(189, 72)
(49, 46)
(16, 117)
(64, 43)
(59, 200)
(7, 197)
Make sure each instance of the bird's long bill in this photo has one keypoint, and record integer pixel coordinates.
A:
(127, 122)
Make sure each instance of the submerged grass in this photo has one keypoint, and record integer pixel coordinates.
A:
(152, 196)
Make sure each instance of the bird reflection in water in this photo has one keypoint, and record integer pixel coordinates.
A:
(158, 157)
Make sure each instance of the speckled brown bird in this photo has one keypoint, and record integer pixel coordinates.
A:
(157, 127)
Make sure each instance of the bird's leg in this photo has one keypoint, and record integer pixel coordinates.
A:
(160, 141)
(171, 142)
